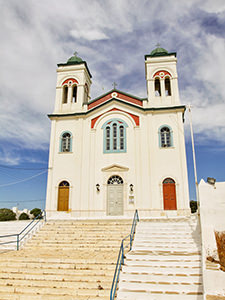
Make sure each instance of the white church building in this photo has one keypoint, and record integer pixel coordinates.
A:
(118, 152)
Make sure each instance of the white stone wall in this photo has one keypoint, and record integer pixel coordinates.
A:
(212, 213)
(146, 164)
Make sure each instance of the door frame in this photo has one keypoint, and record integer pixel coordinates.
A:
(175, 192)
(107, 197)
(68, 188)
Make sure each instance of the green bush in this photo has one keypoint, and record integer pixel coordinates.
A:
(193, 206)
(7, 214)
(24, 216)
(36, 212)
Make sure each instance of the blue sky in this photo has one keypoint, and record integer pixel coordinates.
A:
(113, 37)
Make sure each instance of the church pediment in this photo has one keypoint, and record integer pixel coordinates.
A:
(115, 168)
(116, 95)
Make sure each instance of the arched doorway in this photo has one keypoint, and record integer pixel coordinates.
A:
(169, 194)
(63, 196)
(115, 196)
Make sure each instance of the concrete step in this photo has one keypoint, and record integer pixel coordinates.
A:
(19, 296)
(70, 291)
(158, 278)
(131, 295)
(186, 264)
(175, 270)
(161, 287)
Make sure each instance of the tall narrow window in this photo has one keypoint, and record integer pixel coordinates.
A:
(121, 137)
(107, 138)
(66, 142)
(114, 136)
(165, 137)
(74, 94)
(167, 87)
(65, 93)
(157, 87)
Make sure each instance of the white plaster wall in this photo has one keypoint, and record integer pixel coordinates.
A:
(153, 65)
(212, 215)
(148, 164)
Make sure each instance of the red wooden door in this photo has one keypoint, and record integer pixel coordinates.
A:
(169, 194)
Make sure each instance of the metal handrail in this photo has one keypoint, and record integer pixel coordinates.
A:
(121, 256)
(41, 216)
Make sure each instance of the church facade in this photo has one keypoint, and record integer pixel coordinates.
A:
(118, 152)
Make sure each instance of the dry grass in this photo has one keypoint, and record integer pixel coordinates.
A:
(220, 241)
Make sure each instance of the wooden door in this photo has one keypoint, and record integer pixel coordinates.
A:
(169, 194)
(63, 198)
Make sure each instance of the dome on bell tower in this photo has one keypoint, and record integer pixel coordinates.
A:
(74, 59)
(159, 52)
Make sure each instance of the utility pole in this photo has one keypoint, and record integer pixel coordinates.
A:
(193, 153)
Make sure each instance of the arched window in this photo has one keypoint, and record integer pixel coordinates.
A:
(64, 183)
(165, 136)
(114, 136)
(115, 179)
(65, 94)
(167, 87)
(66, 142)
(74, 94)
(157, 87)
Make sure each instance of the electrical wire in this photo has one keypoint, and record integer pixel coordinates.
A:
(18, 202)
(23, 180)
(27, 169)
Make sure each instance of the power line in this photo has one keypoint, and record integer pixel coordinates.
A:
(16, 201)
(23, 180)
(17, 168)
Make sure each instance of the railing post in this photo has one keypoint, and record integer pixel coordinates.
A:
(130, 242)
(17, 242)
(122, 253)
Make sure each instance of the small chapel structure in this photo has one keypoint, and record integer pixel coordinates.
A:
(118, 152)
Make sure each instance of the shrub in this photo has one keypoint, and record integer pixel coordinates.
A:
(7, 214)
(36, 212)
(193, 206)
(24, 216)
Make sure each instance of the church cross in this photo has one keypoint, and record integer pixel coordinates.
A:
(75, 53)
(158, 45)
(114, 85)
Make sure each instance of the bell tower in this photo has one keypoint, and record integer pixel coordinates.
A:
(161, 78)
(73, 86)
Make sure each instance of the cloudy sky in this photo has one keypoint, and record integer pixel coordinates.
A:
(112, 37)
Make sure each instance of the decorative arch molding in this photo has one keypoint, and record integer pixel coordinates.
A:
(162, 74)
(135, 118)
(66, 131)
(63, 179)
(70, 82)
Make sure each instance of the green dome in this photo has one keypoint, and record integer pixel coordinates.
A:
(159, 51)
(74, 59)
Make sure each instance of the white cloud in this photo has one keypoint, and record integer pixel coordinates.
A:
(112, 36)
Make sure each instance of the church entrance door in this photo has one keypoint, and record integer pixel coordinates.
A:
(169, 194)
(115, 196)
(63, 196)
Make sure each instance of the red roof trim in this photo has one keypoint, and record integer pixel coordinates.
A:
(134, 117)
(110, 96)
(70, 81)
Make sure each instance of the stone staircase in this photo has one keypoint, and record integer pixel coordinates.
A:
(64, 260)
(165, 262)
